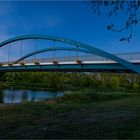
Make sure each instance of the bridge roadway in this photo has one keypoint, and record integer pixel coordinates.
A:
(71, 66)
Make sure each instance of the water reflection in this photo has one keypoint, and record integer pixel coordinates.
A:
(20, 96)
(1, 96)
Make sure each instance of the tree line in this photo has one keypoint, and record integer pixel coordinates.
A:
(66, 81)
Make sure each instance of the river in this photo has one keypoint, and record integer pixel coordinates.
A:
(21, 96)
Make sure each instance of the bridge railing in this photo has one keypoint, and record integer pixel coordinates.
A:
(126, 56)
(129, 56)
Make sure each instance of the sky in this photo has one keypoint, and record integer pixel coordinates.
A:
(70, 19)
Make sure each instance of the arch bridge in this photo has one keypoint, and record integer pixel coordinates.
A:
(52, 53)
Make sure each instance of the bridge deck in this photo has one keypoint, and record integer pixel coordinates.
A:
(86, 66)
(70, 62)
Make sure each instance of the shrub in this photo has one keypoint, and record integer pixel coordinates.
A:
(114, 83)
(90, 97)
(135, 87)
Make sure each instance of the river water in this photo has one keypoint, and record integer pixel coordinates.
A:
(20, 96)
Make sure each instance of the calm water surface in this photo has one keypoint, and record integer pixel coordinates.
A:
(20, 96)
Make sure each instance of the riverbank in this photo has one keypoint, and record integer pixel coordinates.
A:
(43, 87)
(75, 115)
(21, 85)
(70, 81)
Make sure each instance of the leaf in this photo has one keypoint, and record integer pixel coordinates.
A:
(136, 21)
(110, 26)
(105, 2)
(122, 39)
(138, 3)
(110, 14)
(112, 2)
(94, 11)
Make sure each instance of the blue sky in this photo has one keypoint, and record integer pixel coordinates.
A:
(72, 19)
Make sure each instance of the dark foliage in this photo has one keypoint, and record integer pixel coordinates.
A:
(114, 7)
(72, 81)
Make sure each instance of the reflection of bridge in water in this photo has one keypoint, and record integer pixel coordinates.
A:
(70, 56)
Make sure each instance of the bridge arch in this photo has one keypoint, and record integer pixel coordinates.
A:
(51, 49)
(91, 49)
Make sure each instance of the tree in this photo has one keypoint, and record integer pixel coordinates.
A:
(135, 87)
(114, 83)
(114, 7)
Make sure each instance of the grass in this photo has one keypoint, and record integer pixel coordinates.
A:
(77, 115)
(90, 96)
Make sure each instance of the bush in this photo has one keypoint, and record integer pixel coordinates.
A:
(114, 83)
(90, 97)
(135, 87)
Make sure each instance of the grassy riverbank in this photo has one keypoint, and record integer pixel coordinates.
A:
(77, 115)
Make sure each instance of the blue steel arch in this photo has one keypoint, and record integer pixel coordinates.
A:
(92, 49)
(50, 49)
